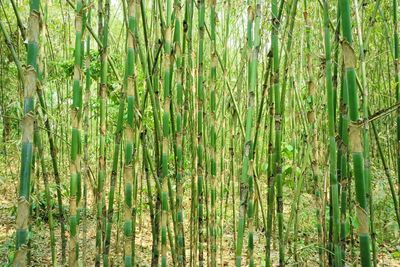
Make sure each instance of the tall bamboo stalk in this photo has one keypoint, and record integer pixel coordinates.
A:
(246, 178)
(200, 138)
(166, 129)
(276, 164)
(397, 85)
(253, 67)
(213, 133)
(179, 141)
(334, 188)
(30, 83)
(76, 114)
(104, 14)
(86, 134)
(356, 147)
(129, 133)
(343, 160)
(366, 144)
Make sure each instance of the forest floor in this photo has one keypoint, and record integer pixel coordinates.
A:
(40, 245)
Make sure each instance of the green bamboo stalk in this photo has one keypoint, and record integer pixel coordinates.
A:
(343, 158)
(225, 133)
(365, 100)
(213, 133)
(136, 152)
(342, 146)
(129, 133)
(128, 190)
(86, 122)
(189, 115)
(277, 168)
(180, 239)
(200, 137)
(271, 181)
(166, 129)
(334, 187)
(75, 163)
(22, 218)
(151, 74)
(397, 85)
(104, 13)
(356, 147)
(253, 66)
(99, 152)
(47, 126)
(246, 178)
(34, 186)
(233, 175)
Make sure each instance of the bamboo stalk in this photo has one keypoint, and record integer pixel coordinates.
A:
(76, 114)
(334, 187)
(200, 146)
(355, 135)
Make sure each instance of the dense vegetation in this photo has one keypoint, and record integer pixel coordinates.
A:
(199, 133)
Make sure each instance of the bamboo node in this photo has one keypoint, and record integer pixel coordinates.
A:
(103, 90)
(72, 168)
(397, 65)
(128, 174)
(168, 35)
(127, 247)
(355, 138)
(214, 60)
(131, 7)
(102, 162)
(77, 73)
(78, 23)
(72, 204)
(74, 118)
(130, 40)
(27, 128)
(33, 33)
(250, 13)
(165, 145)
(247, 149)
(30, 81)
(167, 62)
(22, 214)
(349, 55)
(72, 251)
(130, 86)
(362, 217)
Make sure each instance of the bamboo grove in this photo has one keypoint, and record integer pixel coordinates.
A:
(200, 133)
